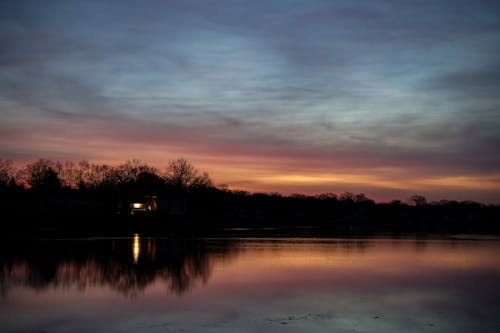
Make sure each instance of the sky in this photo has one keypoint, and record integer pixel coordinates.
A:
(388, 98)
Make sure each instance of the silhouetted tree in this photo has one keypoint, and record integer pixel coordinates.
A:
(202, 181)
(93, 176)
(417, 200)
(223, 188)
(347, 196)
(148, 182)
(7, 172)
(42, 175)
(362, 198)
(69, 173)
(181, 174)
(131, 169)
(327, 196)
(100, 177)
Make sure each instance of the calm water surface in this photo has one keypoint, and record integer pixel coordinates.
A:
(141, 284)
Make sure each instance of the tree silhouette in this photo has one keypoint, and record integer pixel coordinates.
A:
(69, 173)
(7, 172)
(362, 198)
(347, 197)
(181, 174)
(42, 175)
(148, 182)
(417, 200)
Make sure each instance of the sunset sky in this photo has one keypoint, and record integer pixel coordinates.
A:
(389, 98)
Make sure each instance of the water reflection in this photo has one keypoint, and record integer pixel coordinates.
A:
(176, 263)
(268, 285)
(136, 248)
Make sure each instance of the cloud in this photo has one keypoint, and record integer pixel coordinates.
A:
(473, 83)
(296, 87)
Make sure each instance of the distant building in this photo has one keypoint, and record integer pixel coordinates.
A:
(164, 205)
(147, 205)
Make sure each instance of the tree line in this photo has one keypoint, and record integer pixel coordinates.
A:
(180, 174)
(89, 196)
(48, 176)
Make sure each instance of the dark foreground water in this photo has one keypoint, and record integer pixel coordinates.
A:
(141, 284)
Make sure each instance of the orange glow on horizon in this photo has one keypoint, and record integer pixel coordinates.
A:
(256, 171)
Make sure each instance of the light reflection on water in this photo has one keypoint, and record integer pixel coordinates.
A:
(136, 248)
(281, 284)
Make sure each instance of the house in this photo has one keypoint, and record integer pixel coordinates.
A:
(162, 205)
(144, 206)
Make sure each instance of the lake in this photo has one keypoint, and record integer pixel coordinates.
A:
(145, 284)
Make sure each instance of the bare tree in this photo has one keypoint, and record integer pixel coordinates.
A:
(131, 169)
(182, 174)
(417, 200)
(347, 196)
(42, 174)
(69, 173)
(327, 196)
(202, 181)
(92, 175)
(7, 171)
(362, 198)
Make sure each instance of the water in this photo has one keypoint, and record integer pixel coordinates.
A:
(141, 284)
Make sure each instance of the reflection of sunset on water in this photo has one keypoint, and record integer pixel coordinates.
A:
(266, 280)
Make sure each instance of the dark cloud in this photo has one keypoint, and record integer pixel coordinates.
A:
(471, 83)
(54, 94)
